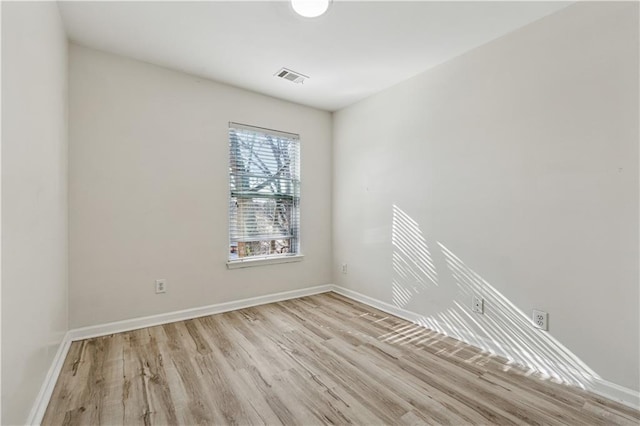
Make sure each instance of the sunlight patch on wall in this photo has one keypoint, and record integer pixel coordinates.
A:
(504, 329)
(509, 328)
(412, 263)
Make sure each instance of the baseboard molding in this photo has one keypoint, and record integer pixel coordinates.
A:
(42, 400)
(601, 387)
(46, 390)
(615, 392)
(186, 314)
(597, 385)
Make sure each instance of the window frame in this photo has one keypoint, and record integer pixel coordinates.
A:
(264, 259)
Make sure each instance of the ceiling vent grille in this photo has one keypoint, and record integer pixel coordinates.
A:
(290, 75)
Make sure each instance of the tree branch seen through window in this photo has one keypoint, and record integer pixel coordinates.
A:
(264, 197)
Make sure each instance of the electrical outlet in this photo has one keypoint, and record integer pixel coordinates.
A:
(344, 268)
(477, 304)
(161, 286)
(540, 319)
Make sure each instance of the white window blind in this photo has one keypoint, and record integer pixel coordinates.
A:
(264, 193)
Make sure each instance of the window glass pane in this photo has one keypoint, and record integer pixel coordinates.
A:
(264, 193)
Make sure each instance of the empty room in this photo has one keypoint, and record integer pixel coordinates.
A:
(307, 212)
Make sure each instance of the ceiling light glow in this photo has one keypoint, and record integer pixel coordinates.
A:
(310, 8)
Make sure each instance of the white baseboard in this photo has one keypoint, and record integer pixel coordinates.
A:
(46, 390)
(450, 331)
(42, 400)
(615, 392)
(601, 387)
(186, 314)
(597, 385)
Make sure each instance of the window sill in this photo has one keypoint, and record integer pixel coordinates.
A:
(236, 264)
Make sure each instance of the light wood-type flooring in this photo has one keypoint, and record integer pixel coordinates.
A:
(323, 359)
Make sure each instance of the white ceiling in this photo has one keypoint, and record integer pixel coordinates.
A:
(355, 50)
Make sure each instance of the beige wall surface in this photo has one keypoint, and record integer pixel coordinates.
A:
(148, 190)
(34, 200)
(510, 172)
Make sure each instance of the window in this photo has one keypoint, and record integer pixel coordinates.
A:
(264, 194)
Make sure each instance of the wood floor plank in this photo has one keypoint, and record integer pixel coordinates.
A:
(322, 359)
(489, 413)
(56, 414)
(135, 404)
(185, 382)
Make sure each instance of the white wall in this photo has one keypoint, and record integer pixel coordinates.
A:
(34, 200)
(148, 189)
(510, 172)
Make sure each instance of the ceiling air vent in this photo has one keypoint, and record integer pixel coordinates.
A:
(294, 76)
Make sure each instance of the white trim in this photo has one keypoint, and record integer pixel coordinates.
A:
(46, 390)
(42, 400)
(597, 385)
(613, 391)
(186, 314)
(601, 387)
(246, 263)
(257, 129)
